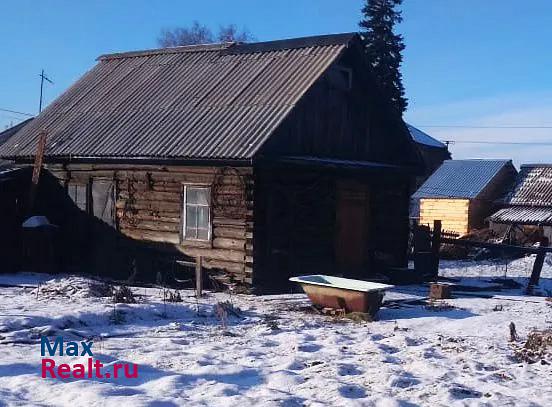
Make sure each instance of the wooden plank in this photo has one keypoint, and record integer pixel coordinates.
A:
(199, 277)
(537, 268)
(37, 167)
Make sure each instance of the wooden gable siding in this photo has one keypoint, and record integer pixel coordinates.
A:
(313, 221)
(454, 213)
(149, 201)
(486, 202)
(344, 116)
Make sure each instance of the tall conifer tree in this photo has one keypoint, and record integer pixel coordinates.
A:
(384, 47)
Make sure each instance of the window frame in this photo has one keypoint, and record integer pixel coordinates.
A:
(183, 237)
(112, 193)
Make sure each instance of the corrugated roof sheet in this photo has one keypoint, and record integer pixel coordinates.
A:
(6, 134)
(533, 187)
(460, 179)
(218, 101)
(523, 215)
(423, 138)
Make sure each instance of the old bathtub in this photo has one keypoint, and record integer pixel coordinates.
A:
(343, 293)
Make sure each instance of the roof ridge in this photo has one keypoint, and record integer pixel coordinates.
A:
(240, 47)
(536, 165)
(169, 50)
(481, 159)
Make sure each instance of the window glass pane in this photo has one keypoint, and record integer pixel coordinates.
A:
(191, 233)
(203, 234)
(103, 203)
(191, 216)
(77, 193)
(198, 196)
(203, 217)
(191, 195)
(203, 196)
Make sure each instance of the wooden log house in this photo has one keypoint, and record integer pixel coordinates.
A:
(463, 193)
(267, 159)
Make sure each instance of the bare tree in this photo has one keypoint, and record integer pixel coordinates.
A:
(200, 34)
(196, 34)
(231, 33)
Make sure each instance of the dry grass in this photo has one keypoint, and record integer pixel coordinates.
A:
(538, 347)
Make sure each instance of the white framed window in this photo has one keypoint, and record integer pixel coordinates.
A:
(196, 224)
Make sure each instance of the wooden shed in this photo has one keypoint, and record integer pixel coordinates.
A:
(528, 206)
(462, 193)
(267, 160)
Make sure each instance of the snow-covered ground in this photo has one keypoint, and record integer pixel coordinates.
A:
(278, 352)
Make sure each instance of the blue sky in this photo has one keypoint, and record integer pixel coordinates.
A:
(467, 62)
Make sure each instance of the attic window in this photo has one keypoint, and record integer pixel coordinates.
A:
(196, 217)
(341, 77)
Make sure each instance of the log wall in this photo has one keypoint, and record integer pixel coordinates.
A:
(454, 213)
(149, 200)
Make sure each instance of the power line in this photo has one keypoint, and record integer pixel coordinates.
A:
(520, 143)
(16, 112)
(461, 126)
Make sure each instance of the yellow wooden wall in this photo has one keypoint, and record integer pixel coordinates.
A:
(452, 212)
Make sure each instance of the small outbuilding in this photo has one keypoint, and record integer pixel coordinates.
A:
(462, 193)
(529, 204)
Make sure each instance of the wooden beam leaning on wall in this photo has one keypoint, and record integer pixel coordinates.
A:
(39, 157)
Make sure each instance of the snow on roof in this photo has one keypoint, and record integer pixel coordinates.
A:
(423, 138)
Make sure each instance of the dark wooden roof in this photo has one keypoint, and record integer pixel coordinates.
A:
(220, 101)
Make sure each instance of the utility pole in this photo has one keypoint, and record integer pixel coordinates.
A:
(43, 78)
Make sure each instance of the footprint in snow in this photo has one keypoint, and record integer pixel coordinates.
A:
(432, 353)
(414, 341)
(463, 392)
(389, 349)
(180, 341)
(348, 370)
(269, 344)
(308, 347)
(404, 380)
(352, 392)
(123, 391)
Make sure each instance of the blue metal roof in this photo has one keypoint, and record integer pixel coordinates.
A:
(423, 138)
(460, 178)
